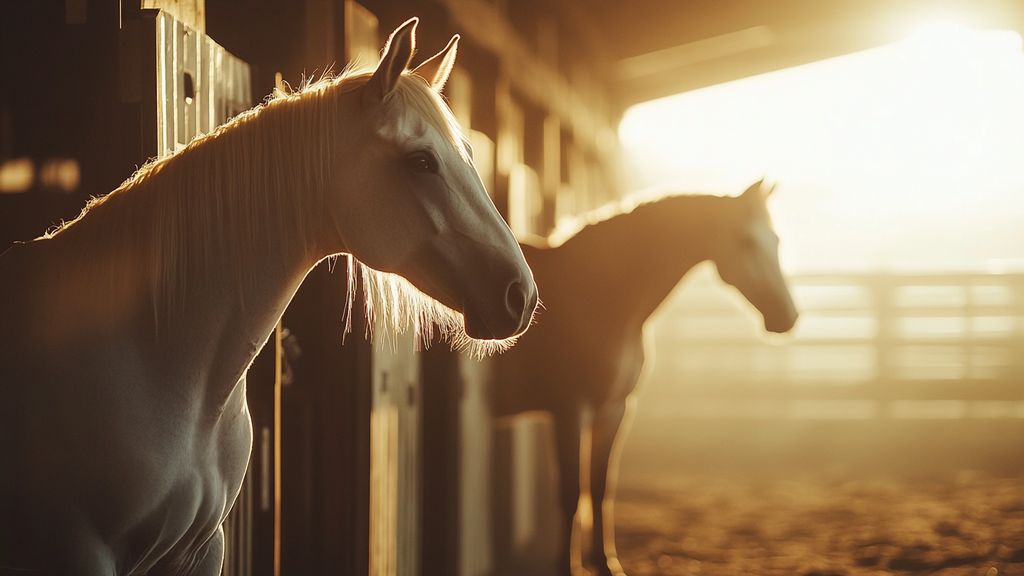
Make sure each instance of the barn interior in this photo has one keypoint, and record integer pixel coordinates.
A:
(881, 436)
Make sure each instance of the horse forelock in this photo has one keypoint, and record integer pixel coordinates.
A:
(418, 96)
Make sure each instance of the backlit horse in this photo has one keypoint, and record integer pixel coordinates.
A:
(583, 358)
(127, 333)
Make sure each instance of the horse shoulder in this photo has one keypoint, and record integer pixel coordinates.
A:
(78, 404)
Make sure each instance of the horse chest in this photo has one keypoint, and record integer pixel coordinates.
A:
(153, 471)
(203, 486)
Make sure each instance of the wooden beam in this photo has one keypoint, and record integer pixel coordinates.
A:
(530, 75)
(738, 39)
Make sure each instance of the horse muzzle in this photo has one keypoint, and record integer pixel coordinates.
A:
(783, 321)
(497, 324)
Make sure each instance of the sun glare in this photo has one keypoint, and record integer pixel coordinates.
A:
(939, 31)
(904, 156)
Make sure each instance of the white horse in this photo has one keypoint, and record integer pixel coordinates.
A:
(584, 357)
(127, 333)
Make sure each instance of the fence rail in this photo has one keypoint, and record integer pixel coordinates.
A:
(883, 337)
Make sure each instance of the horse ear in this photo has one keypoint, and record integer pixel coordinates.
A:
(759, 189)
(438, 67)
(396, 57)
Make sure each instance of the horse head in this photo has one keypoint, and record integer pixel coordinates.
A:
(413, 204)
(747, 257)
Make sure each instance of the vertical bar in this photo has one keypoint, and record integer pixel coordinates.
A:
(174, 71)
(277, 449)
(161, 90)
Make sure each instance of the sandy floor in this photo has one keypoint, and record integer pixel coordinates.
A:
(971, 525)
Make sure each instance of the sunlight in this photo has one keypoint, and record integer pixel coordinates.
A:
(901, 157)
(939, 31)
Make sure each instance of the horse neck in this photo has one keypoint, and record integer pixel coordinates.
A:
(645, 253)
(224, 239)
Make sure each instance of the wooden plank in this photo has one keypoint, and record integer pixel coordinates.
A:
(191, 13)
(1009, 389)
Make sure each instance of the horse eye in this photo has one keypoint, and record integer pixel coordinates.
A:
(422, 162)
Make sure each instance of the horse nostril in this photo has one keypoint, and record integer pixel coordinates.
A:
(515, 298)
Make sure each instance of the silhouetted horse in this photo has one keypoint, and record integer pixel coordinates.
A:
(583, 358)
(127, 333)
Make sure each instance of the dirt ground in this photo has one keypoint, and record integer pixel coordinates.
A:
(971, 524)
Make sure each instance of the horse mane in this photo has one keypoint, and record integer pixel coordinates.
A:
(226, 196)
(641, 201)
